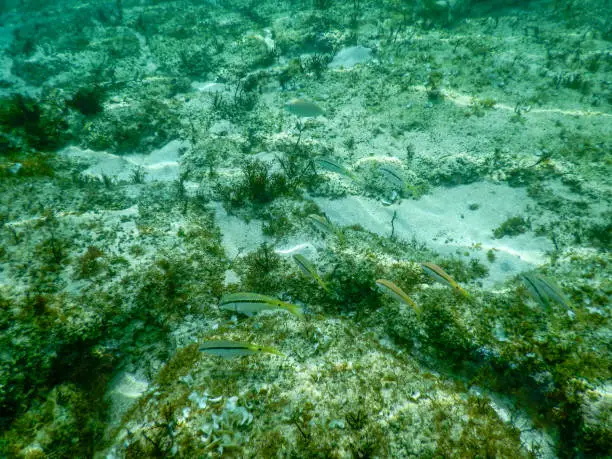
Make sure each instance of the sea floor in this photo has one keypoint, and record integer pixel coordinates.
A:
(424, 185)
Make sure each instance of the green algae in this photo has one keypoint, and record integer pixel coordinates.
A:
(156, 281)
(513, 226)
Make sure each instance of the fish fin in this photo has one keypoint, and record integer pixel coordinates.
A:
(271, 350)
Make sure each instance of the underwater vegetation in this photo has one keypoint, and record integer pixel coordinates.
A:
(88, 101)
(512, 227)
(210, 304)
(28, 122)
(257, 185)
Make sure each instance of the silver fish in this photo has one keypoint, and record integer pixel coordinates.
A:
(251, 303)
(544, 290)
(304, 108)
(231, 349)
(321, 223)
(309, 270)
(332, 166)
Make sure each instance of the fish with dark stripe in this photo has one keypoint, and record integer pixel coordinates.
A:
(231, 349)
(251, 303)
(544, 290)
(437, 273)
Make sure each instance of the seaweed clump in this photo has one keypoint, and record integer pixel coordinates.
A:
(37, 124)
(257, 185)
(512, 227)
(88, 101)
(89, 263)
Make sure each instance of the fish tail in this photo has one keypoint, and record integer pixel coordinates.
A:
(463, 292)
(295, 310)
(271, 350)
(415, 307)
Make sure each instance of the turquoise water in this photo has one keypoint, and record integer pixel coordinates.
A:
(344, 229)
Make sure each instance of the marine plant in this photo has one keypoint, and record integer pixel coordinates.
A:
(261, 270)
(138, 174)
(297, 164)
(257, 185)
(88, 100)
(353, 281)
(434, 82)
(435, 12)
(276, 224)
(53, 250)
(317, 64)
(261, 185)
(444, 331)
(240, 102)
(39, 124)
(600, 234)
(513, 226)
(195, 62)
(294, 69)
(165, 289)
(479, 107)
(89, 264)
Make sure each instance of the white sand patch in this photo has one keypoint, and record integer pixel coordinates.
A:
(466, 100)
(444, 223)
(159, 165)
(238, 236)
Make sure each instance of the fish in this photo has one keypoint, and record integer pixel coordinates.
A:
(321, 223)
(396, 179)
(333, 166)
(393, 290)
(304, 108)
(392, 176)
(231, 349)
(544, 290)
(308, 269)
(437, 273)
(251, 303)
